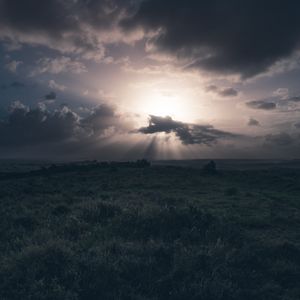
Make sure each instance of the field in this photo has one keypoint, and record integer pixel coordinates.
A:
(146, 233)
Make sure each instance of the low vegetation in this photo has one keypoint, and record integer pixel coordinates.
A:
(145, 233)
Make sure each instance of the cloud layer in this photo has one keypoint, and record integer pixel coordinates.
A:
(103, 133)
(78, 26)
(232, 37)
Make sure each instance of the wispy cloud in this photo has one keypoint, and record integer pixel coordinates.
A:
(58, 65)
(56, 86)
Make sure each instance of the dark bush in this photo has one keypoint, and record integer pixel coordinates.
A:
(210, 168)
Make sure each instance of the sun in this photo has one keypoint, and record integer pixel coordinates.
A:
(164, 106)
(176, 101)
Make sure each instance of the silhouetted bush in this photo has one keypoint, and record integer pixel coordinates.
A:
(210, 168)
(143, 163)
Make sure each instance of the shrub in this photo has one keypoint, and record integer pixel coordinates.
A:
(98, 212)
(40, 272)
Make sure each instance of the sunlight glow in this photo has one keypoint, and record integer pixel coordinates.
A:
(164, 106)
(163, 97)
(160, 104)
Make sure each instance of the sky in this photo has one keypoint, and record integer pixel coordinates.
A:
(131, 79)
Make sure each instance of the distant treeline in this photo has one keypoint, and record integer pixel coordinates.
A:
(85, 166)
(76, 167)
(90, 165)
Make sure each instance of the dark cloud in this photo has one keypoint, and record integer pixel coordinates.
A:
(103, 14)
(280, 139)
(162, 124)
(261, 104)
(222, 92)
(65, 25)
(281, 104)
(51, 96)
(244, 37)
(34, 15)
(34, 126)
(253, 122)
(187, 133)
(104, 117)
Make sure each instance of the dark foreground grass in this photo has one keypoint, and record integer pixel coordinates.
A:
(150, 233)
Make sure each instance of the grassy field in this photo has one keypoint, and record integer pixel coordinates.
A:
(150, 233)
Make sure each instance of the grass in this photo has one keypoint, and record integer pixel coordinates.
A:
(150, 233)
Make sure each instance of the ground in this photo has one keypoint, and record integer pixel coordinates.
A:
(160, 232)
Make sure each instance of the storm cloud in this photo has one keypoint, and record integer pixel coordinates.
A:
(35, 126)
(242, 37)
(188, 134)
